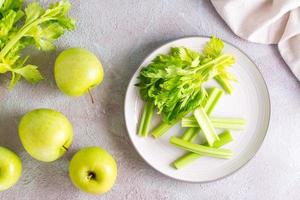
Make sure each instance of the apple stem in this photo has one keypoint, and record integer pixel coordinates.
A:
(91, 175)
(65, 148)
(91, 95)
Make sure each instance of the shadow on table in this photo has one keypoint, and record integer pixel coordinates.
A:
(9, 131)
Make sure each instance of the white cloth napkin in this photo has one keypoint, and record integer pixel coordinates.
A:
(268, 22)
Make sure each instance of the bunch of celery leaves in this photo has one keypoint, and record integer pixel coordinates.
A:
(173, 84)
(30, 26)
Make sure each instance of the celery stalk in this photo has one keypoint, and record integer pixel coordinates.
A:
(221, 123)
(161, 129)
(201, 149)
(214, 96)
(206, 126)
(189, 157)
(189, 122)
(225, 84)
(146, 119)
(190, 134)
(194, 136)
(229, 123)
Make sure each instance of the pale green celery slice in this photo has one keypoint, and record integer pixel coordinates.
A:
(220, 123)
(214, 96)
(146, 119)
(206, 126)
(189, 157)
(201, 149)
(190, 134)
(225, 84)
(229, 123)
(189, 122)
(162, 128)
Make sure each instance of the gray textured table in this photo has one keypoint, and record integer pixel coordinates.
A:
(122, 33)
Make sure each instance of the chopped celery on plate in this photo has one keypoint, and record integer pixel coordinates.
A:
(201, 149)
(189, 157)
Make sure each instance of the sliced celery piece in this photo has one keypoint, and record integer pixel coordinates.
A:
(221, 123)
(214, 95)
(200, 149)
(190, 134)
(146, 119)
(189, 122)
(189, 157)
(206, 126)
(161, 129)
(229, 123)
(225, 84)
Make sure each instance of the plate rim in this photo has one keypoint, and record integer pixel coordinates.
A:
(265, 131)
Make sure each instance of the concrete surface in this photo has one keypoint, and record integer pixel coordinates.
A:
(122, 33)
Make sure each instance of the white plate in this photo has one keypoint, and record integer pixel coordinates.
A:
(250, 101)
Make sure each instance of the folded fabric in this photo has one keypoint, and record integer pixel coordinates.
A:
(267, 22)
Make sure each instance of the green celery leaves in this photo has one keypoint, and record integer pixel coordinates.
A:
(174, 82)
(37, 27)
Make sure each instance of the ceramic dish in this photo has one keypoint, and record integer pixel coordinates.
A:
(250, 101)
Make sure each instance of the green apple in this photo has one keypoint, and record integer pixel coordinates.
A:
(45, 134)
(93, 170)
(77, 71)
(10, 168)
